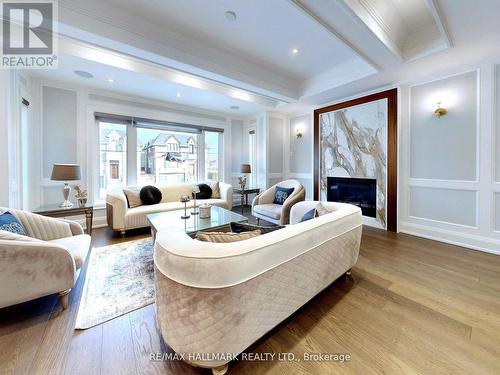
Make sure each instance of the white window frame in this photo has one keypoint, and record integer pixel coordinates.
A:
(131, 177)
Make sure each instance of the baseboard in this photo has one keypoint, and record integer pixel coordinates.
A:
(470, 241)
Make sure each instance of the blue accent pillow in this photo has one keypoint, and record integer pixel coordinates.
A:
(9, 223)
(281, 194)
(308, 215)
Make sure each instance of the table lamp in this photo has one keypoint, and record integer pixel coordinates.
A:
(245, 169)
(65, 173)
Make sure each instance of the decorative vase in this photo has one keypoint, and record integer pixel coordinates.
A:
(82, 202)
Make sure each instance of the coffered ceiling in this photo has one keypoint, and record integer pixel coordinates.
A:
(274, 53)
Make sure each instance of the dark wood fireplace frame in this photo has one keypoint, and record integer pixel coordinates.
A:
(392, 148)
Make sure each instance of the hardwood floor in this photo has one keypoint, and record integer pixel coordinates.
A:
(411, 306)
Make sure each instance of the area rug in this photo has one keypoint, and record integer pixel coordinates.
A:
(119, 279)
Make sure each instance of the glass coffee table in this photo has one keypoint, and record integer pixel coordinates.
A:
(219, 218)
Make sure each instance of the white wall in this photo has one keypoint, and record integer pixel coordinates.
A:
(444, 148)
(276, 148)
(64, 130)
(449, 168)
(299, 152)
(4, 142)
(447, 165)
(13, 87)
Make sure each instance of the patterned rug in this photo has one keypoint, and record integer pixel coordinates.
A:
(120, 279)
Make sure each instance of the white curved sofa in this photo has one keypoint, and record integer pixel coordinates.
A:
(222, 297)
(121, 218)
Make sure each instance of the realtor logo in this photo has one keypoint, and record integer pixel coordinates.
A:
(28, 34)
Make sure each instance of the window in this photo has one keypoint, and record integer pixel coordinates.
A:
(114, 169)
(191, 146)
(112, 156)
(251, 158)
(145, 152)
(211, 155)
(165, 156)
(172, 144)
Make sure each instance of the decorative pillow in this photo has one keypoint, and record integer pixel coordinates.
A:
(205, 192)
(133, 196)
(215, 189)
(322, 210)
(244, 227)
(150, 195)
(281, 194)
(309, 215)
(223, 237)
(9, 223)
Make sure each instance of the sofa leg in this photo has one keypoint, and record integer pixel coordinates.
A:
(122, 233)
(258, 221)
(220, 370)
(64, 298)
(348, 272)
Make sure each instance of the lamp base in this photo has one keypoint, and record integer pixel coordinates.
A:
(66, 204)
(66, 191)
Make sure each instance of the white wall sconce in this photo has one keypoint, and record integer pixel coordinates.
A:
(440, 112)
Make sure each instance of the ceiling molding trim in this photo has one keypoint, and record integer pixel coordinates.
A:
(437, 14)
(303, 8)
(365, 12)
(376, 17)
(122, 61)
(270, 81)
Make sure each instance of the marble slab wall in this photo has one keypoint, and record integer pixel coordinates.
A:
(353, 143)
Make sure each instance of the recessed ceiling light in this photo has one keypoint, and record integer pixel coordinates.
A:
(230, 16)
(84, 74)
(110, 80)
(295, 51)
(234, 107)
(178, 95)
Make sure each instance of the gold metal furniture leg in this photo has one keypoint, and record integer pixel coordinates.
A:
(64, 298)
(221, 370)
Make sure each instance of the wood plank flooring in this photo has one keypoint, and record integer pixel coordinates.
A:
(411, 306)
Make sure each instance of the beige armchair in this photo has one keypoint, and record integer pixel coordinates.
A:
(264, 208)
(48, 260)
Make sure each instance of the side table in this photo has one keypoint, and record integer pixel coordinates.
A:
(244, 194)
(54, 210)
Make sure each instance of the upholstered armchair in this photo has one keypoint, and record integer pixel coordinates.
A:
(48, 260)
(264, 208)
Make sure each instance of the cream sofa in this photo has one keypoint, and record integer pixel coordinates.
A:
(121, 218)
(48, 260)
(264, 208)
(221, 297)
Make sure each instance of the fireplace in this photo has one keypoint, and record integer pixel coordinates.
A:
(361, 192)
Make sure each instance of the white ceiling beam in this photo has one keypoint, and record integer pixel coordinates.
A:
(307, 11)
(122, 61)
(374, 23)
(440, 22)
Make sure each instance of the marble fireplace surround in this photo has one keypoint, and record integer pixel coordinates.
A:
(360, 147)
